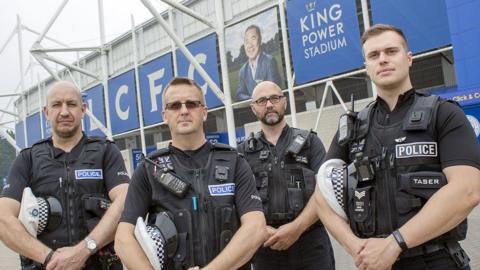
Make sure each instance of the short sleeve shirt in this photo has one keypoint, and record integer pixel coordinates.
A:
(20, 174)
(139, 194)
(457, 142)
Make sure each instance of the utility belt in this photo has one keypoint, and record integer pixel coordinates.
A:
(453, 248)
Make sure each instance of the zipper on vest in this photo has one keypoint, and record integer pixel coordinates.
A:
(67, 203)
(387, 188)
(202, 216)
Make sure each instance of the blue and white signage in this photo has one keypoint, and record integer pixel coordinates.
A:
(324, 38)
(424, 23)
(93, 97)
(123, 103)
(473, 116)
(47, 127)
(137, 155)
(204, 51)
(222, 137)
(19, 135)
(153, 77)
(34, 133)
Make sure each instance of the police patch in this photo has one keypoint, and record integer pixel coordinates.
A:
(222, 190)
(89, 174)
(417, 149)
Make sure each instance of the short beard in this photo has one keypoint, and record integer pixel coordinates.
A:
(272, 121)
(67, 134)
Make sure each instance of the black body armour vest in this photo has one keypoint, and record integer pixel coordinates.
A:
(394, 170)
(72, 183)
(204, 216)
(284, 180)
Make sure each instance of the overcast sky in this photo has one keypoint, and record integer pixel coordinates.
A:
(77, 25)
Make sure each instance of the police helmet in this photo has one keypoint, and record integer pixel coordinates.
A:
(39, 214)
(158, 241)
(332, 184)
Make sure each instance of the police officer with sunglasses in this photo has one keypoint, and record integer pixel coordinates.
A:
(285, 161)
(206, 190)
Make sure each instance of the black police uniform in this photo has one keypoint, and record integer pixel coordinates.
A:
(395, 165)
(79, 180)
(285, 178)
(216, 189)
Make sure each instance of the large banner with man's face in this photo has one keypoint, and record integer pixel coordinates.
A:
(254, 54)
(324, 38)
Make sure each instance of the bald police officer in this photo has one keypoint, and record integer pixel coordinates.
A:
(284, 161)
(82, 174)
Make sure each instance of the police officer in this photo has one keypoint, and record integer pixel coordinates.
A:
(207, 190)
(411, 173)
(285, 161)
(82, 174)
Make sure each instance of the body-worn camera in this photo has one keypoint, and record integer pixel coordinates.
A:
(364, 168)
(296, 145)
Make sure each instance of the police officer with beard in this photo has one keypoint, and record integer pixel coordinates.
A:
(206, 190)
(285, 161)
(78, 176)
(408, 166)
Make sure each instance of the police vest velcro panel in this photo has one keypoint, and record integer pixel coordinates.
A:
(205, 218)
(406, 152)
(68, 182)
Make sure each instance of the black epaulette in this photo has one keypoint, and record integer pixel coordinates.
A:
(420, 114)
(160, 152)
(222, 147)
(40, 142)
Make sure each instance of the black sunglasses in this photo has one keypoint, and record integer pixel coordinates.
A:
(177, 105)
(263, 100)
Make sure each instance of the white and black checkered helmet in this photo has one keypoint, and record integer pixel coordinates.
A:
(39, 214)
(159, 241)
(331, 182)
(49, 214)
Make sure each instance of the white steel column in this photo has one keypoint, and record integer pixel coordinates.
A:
(366, 25)
(104, 68)
(40, 111)
(137, 86)
(172, 43)
(286, 54)
(216, 90)
(232, 137)
(22, 78)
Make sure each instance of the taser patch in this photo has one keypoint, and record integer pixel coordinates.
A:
(89, 174)
(417, 149)
(222, 190)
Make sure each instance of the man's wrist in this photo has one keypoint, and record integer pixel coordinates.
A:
(48, 257)
(399, 239)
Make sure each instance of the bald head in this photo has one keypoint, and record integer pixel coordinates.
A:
(266, 88)
(62, 87)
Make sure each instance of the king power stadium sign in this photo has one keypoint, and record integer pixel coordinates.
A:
(323, 34)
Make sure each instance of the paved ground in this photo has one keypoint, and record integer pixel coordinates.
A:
(9, 260)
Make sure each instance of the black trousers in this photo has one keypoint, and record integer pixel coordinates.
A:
(439, 260)
(312, 251)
